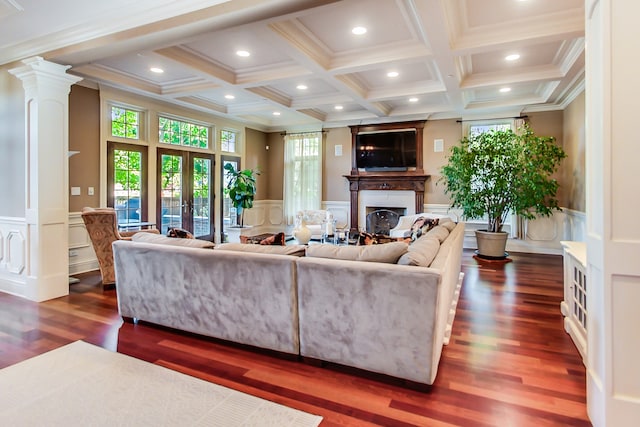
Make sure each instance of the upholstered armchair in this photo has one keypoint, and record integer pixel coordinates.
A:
(102, 226)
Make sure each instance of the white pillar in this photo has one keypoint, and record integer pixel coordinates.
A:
(47, 87)
(613, 202)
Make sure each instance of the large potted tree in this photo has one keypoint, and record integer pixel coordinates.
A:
(497, 173)
(240, 188)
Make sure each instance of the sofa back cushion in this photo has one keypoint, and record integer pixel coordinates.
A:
(164, 240)
(295, 250)
(439, 232)
(421, 252)
(387, 253)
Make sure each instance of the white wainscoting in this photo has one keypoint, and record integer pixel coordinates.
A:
(543, 235)
(82, 257)
(13, 255)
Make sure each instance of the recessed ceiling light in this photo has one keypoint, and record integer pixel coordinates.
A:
(393, 74)
(512, 57)
(358, 31)
(302, 87)
(156, 70)
(230, 96)
(276, 113)
(413, 99)
(338, 107)
(505, 89)
(242, 53)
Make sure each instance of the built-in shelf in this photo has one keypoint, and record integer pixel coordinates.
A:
(574, 306)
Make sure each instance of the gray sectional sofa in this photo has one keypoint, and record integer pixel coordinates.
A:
(378, 308)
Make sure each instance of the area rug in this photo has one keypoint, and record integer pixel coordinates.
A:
(84, 385)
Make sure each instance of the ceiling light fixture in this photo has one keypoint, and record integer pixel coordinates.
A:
(413, 99)
(156, 70)
(276, 113)
(358, 31)
(393, 74)
(505, 89)
(512, 57)
(230, 97)
(243, 53)
(338, 107)
(302, 87)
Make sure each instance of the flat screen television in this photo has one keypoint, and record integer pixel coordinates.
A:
(386, 151)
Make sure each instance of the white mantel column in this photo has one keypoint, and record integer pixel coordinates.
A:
(612, 91)
(46, 86)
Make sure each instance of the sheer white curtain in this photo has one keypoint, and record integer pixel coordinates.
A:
(302, 173)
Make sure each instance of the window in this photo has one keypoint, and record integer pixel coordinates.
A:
(302, 173)
(126, 182)
(228, 140)
(125, 123)
(177, 132)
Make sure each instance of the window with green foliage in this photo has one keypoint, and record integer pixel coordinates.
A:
(125, 123)
(228, 141)
(177, 132)
(126, 181)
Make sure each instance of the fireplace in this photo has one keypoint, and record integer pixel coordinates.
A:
(382, 219)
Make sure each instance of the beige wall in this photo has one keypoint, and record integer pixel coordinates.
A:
(451, 132)
(573, 172)
(335, 186)
(257, 157)
(276, 166)
(12, 144)
(84, 136)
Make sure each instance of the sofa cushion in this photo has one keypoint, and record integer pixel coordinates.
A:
(164, 240)
(421, 252)
(439, 232)
(449, 225)
(387, 253)
(295, 250)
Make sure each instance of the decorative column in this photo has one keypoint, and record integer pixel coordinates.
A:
(46, 86)
(613, 232)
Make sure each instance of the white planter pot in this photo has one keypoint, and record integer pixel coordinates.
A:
(492, 245)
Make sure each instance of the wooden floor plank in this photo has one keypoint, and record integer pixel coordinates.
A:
(509, 362)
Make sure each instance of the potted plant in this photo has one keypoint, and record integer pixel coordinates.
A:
(240, 188)
(501, 172)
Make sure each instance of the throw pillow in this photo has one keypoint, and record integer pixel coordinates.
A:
(179, 233)
(421, 226)
(276, 239)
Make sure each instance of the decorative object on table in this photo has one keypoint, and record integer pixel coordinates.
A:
(301, 233)
(501, 172)
(241, 188)
(341, 236)
(179, 233)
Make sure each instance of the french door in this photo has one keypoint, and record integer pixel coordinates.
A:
(185, 197)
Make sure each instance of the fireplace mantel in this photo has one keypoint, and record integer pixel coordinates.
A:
(388, 181)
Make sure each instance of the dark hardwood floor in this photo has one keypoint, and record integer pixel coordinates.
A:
(509, 362)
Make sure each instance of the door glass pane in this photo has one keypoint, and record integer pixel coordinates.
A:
(127, 167)
(201, 197)
(171, 192)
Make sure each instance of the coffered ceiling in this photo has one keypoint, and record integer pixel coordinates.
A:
(449, 55)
